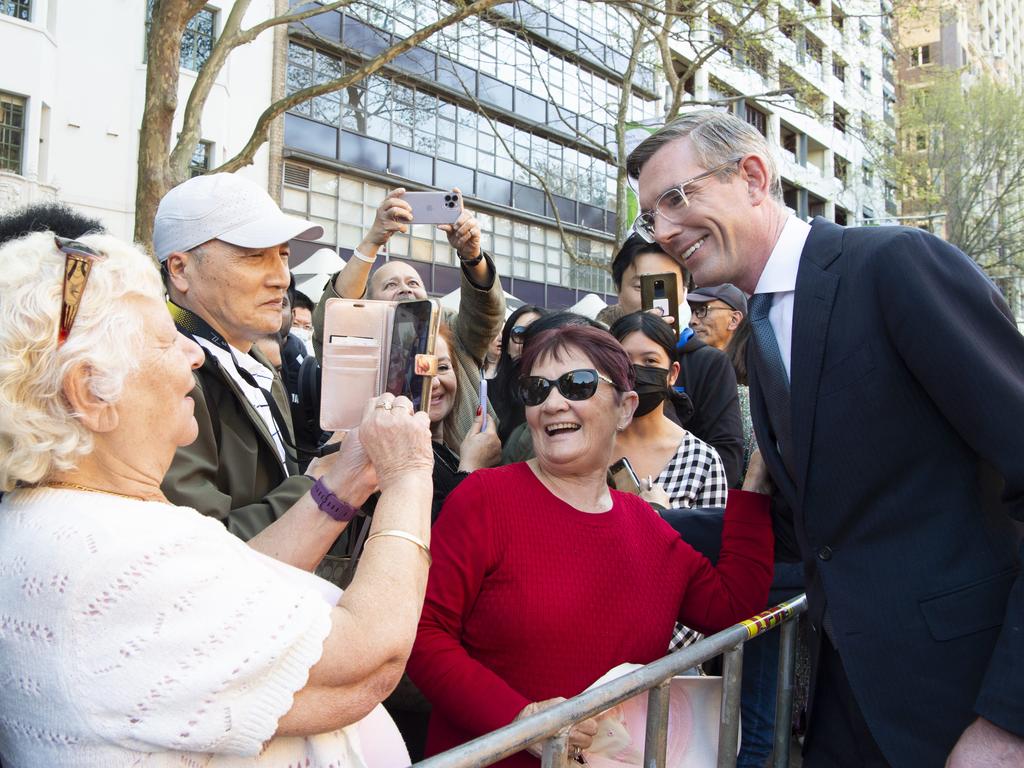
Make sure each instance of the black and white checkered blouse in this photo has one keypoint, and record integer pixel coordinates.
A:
(695, 477)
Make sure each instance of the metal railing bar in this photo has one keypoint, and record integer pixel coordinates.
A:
(728, 726)
(656, 738)
(555, 750)
(516, 736)
(784, 695)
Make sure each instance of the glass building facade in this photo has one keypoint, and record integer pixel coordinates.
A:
(515, 109)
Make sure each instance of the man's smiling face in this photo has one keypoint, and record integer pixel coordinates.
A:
(713, 235)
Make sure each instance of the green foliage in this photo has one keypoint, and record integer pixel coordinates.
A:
(961, 160)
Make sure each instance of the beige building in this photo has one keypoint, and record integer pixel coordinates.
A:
(977, 39)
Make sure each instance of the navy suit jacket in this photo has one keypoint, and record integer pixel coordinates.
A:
(907, 395)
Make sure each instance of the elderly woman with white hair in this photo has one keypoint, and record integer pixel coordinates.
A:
(134, 632)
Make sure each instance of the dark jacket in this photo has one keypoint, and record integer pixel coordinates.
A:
(710, 381)
(232, 471)
(907, 400)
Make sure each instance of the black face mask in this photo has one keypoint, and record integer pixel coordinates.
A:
(651, 387)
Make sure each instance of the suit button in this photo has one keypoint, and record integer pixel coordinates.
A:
(825, 553)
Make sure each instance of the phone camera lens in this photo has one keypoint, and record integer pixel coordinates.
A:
(447, 198)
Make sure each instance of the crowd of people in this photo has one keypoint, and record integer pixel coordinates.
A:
(169, 496)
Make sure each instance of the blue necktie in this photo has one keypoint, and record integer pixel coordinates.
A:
(771, 375)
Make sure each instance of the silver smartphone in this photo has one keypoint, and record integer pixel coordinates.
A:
(434, 207)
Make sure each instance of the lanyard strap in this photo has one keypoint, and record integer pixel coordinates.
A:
(191, 324)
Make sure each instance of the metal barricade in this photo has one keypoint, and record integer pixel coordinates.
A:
(552, 725)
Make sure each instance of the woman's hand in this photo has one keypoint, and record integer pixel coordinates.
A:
(655, 493)
(480, 449)
(348, 472)
(396, 439)
(757, 479)
(580, 735)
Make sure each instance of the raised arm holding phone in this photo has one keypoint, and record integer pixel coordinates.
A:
(481, 304)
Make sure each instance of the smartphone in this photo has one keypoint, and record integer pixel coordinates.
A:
(434, 207)
(483, 401)
(660, 292)
(412, 334)
(621, 477)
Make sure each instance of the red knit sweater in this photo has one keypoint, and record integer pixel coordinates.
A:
(530, 598)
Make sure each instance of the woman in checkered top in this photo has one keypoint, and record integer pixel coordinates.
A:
(688, 471)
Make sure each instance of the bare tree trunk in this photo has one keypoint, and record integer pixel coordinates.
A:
(163, 51)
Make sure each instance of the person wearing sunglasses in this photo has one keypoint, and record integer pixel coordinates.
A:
(502, 390)
(712, 411)
(687, 471)
(544, 578)
(136, 631)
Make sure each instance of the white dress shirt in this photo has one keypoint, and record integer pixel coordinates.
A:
(779, 278)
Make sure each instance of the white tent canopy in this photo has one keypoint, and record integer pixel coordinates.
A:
(451, 301)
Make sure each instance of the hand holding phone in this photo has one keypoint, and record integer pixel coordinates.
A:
(483, 401)
(659, 291)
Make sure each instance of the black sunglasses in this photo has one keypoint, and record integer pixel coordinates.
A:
(574, 385)
(518, 333)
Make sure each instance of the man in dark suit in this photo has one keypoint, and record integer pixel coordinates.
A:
(887, 392)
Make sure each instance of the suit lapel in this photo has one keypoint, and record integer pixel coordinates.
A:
(254, 417)
(815, 295)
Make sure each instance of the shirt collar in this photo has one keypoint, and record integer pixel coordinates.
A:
(779, 275)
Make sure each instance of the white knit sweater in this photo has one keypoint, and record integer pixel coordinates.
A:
(137, 633)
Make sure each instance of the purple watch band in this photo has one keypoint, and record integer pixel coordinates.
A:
(330, 504)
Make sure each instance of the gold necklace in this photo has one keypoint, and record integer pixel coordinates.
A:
(90, 489)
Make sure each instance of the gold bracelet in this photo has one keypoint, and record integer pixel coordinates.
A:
(402, 535)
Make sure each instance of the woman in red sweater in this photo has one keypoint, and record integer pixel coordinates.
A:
(544, 579)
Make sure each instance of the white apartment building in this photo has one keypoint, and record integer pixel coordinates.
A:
(833, 63)
(72, 92)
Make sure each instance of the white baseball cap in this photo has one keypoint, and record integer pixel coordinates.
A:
(223, 206)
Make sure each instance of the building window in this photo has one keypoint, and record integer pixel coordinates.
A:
(814, 48)
(788, 139)
(12, 132)
(841, 216)
(196, 40)
(721, 35)
(920, 55)
(868, 173)
(19, 9)
(839, 69)
(921, 141)
(788, 24)
(839, 118)
(840, 168)
(838, 17)
(865, 32)
(865, 79)
(757, 58)
(756, 118)
(201, 159)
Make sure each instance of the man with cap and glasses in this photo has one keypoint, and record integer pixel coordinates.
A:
(890, 423)
(222, 245)
(716, 312)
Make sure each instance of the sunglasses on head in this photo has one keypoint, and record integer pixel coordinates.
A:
(574, 385)
(78, 262)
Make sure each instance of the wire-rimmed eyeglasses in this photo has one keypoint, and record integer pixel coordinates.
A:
(671, 205)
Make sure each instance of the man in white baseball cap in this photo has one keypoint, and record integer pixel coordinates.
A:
(222, 243)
